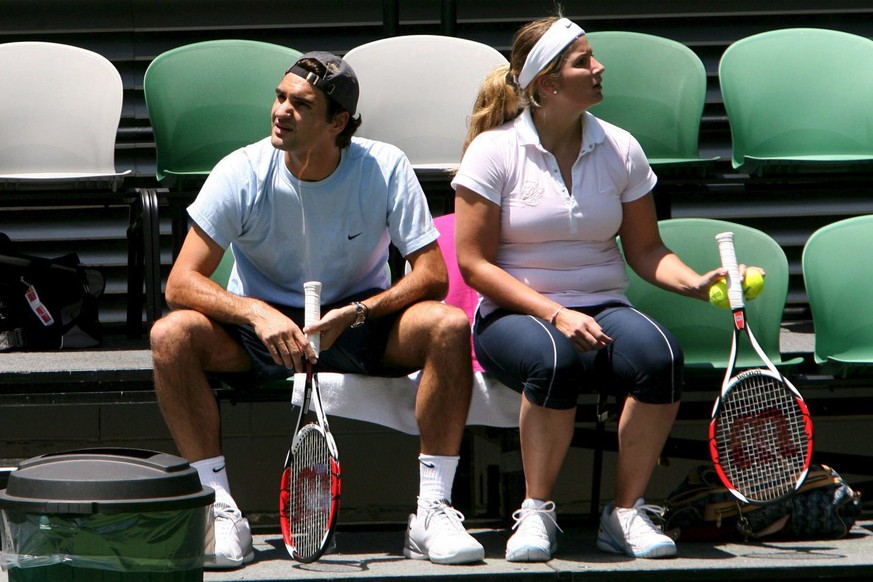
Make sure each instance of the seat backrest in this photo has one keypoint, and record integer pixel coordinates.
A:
(653, 87)
(210, 98)
(222, 272)
(417, 93)
(799, 94)
(837, 272)
(60, 107)
(704, 331)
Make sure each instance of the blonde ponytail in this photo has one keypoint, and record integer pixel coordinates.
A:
(498, 101)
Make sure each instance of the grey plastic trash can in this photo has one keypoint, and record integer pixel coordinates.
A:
(127, 515)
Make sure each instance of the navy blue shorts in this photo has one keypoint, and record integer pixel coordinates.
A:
(358, 350)
(532, 357)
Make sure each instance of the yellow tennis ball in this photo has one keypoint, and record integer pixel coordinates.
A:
(753, 284)
(718, 295)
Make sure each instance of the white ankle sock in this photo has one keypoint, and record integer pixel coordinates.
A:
(436, 475)
(213, 473)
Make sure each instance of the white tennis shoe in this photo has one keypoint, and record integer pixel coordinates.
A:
(437, 534)
(631, 531)
(536, 532)
(228, 541)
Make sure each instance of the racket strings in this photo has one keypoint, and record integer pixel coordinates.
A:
(762, 438)
(310, 492)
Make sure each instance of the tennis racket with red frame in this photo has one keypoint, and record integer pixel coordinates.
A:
(309, 498)
(760, 435)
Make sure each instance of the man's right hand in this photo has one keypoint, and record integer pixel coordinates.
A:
(285, 341)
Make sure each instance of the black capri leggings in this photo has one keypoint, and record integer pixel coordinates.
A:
(532, 357)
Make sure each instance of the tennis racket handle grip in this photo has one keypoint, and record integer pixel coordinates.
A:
(312, 310)
(729, 261)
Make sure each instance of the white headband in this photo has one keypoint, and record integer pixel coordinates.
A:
(550, 45)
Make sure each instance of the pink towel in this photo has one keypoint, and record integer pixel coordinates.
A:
(460, 295)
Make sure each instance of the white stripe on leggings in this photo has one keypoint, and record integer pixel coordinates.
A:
(554, 357)
(670, 348)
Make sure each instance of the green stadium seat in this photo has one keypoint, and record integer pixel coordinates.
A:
(799, 99)
(837, 270)
(655, 88)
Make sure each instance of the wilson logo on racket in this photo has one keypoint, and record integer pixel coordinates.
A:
(770, 427)
(309, 485)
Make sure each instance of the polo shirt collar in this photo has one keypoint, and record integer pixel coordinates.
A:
(592, 131)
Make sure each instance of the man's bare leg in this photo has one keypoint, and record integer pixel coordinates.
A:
(436, 338)
(184, 345)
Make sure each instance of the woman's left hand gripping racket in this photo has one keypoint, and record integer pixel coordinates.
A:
(309, 499)
(760, 436)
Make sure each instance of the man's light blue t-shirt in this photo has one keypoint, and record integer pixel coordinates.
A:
(337, 231)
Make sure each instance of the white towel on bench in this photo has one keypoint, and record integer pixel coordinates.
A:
(391, 401)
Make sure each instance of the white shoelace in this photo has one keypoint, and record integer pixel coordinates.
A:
(226, 512)
(651, 508)
(451, 517)
(521, 516)
(225, 521)
(642, 513)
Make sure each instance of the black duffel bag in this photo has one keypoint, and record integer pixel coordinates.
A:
(47, 304)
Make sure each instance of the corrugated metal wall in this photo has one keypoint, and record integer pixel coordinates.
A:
(132, 32)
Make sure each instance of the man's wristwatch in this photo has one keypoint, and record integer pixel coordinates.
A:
(361, 313)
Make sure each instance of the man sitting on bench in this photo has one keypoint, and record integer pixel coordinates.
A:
(313, 203)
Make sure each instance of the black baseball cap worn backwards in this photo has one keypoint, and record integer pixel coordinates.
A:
(339, 82)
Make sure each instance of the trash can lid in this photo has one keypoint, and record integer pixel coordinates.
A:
(104, 481)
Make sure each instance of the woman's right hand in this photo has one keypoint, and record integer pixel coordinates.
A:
(583, 330)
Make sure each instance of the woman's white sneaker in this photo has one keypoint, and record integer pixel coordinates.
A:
(631, 531)
(536, 532)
